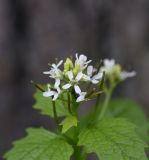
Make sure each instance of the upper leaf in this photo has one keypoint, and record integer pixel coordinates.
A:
(68, 122)
(133, 112)
(40, 144)
(44, 104)
(113, 139)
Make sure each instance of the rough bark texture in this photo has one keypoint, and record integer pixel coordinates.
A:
(34, 32)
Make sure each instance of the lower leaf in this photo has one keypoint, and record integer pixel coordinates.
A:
(40, 144)
(113, 139)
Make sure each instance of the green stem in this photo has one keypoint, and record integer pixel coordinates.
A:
(94, 116)
(79, 153)
(55, 115)
(69, 104)
(106, 103)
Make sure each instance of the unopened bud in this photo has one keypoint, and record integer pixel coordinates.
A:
(68, 65)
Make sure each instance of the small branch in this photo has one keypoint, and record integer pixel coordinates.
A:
(37, 86)
(42, 90)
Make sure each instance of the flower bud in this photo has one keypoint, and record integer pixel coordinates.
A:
(115, 75)
(117, 71)
(68, 65)
(76, 69)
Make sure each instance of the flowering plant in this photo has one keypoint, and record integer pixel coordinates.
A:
(113, 129)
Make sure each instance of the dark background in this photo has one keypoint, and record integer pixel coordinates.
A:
(34, 32)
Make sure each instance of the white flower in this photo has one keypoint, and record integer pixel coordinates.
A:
(90, 77)
(72, 80)
(55, 92)
(82, 61)
(81, 96)
(108, 66)
(55, 72)
(111, 68)
(124, 74)
(95, 79)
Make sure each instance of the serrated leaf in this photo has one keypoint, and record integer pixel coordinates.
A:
(133, 112)
(68, 122)
(44, 105)
(113, 139)
(40, 144)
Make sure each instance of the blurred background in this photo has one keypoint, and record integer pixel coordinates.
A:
(34, 32)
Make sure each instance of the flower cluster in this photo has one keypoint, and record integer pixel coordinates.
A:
(80, 72)
(71, 77)
(114, 70)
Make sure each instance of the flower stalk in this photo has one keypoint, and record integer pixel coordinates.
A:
(69, 103)
(106, 103)
(55, 116)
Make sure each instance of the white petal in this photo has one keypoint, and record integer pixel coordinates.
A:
(54, 66)
(57, 83)
(82, 58)
(90, 70)
(49, 87)
(84, 66)
(109, 63)
(58, 90)
(70, 75)
(77, 56)
(79, 76)
(60, 62)
(47, 72)
(87, 62)
(48, 93)
(52, 76)
(106, 62)
(55, 96)
(66, 86)
(77, 89)
(98, 76)
(125, 74)
(81, 97)
(102, 69)
(94, 81)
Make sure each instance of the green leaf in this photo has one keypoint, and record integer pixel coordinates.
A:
(133, 112)
(44, 104)
(113, 139)
(68, 122)
(40, 144)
